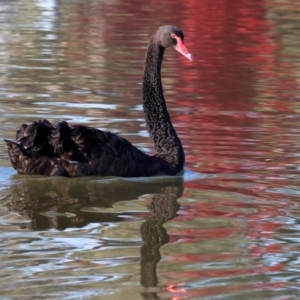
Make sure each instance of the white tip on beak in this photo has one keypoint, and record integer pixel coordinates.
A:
(190, 56)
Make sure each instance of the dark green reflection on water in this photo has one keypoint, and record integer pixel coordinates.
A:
(79, 202)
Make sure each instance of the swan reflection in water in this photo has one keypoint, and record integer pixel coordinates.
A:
(68, 199)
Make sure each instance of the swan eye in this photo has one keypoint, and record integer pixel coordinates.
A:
(173, 36)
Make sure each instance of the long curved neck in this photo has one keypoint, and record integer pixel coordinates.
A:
(166, 142)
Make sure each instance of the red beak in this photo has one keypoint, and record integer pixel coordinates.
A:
(181, 48)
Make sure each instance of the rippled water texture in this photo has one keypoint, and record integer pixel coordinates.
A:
(229, 227)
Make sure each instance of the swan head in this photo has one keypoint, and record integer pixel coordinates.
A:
(171, 36)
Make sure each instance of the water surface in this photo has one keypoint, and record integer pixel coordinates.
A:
(228, 228)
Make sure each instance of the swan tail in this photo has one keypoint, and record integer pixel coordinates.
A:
(34, 138)
(25, 161)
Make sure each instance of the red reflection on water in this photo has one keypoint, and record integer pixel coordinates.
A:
(179, 292)
(230, 38)
(237, 69)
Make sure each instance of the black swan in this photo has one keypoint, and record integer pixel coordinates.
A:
(63, 150)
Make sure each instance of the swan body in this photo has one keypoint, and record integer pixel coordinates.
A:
(42, 148)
